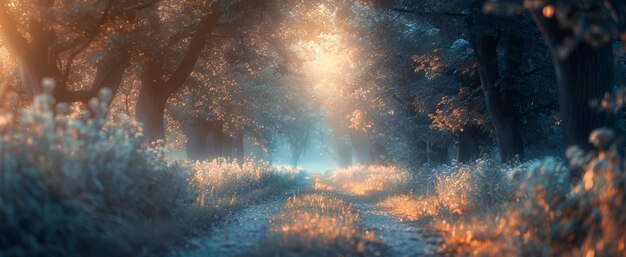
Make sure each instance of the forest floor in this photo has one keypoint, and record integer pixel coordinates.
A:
(307, 221)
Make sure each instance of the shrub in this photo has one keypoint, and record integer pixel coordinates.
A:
(534, 209)
(75, 187)
(458, 188)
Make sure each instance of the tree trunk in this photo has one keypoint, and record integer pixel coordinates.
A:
(468, 146)
(238, 149)
(227, 147)
(197, 144)
(217, 133)
(150, 112)
(439, 154)
(155, 91)
(499, 104)
(428, 152)
(584, 75)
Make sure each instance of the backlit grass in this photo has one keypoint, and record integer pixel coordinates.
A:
(318, 225)
(374, 180)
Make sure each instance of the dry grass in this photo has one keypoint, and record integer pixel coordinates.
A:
(530, 211)
(456, 192)
(371, 181)
(71, 186)
(409, 207)
(462, 208)
(477, 234)
(318, 225)
(320, 184)
(222, 184)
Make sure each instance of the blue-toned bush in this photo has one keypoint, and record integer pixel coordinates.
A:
(73, 186)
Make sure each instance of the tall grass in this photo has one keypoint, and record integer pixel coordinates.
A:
(532, 209)
(371, 181)
(75, 187)
(318, 225)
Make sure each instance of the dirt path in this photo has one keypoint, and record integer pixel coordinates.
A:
(245, 230)
(239, 233)
(402, 239)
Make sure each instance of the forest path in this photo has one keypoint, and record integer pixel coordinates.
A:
(239, 233)
(245, 231)
(403, 239)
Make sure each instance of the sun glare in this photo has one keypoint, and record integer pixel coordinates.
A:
(327, 62)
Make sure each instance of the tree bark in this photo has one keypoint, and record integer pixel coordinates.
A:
(584, 75)
(498, 100)
(238, 149)
(42, 57)
(197, 146)
(218, 140)
(468, 145)
(150, 111)
(439, 154)
(155, 91)
(227, 147)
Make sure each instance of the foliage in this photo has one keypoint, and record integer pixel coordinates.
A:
(372, 180)
(318, 225)
(73, 186)
(458, 189)
(527, 210)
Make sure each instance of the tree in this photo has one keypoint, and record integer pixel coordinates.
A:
(160, 76)
(95, 35)
(580, 37)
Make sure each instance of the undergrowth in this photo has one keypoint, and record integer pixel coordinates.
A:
(531, 209)
(71, 186)
(318, 225)
(371, 181)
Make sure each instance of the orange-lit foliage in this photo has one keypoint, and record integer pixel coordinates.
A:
(359, 122)
(530, 210)
(454, 113)
(318, 225)
(455, 193)
(411, 208)
(362, 180)
(430, 63)
(319, 184)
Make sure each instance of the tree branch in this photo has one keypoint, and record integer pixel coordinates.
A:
(108, 75)
(90, 38)
(14, 40)
(194, 50)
